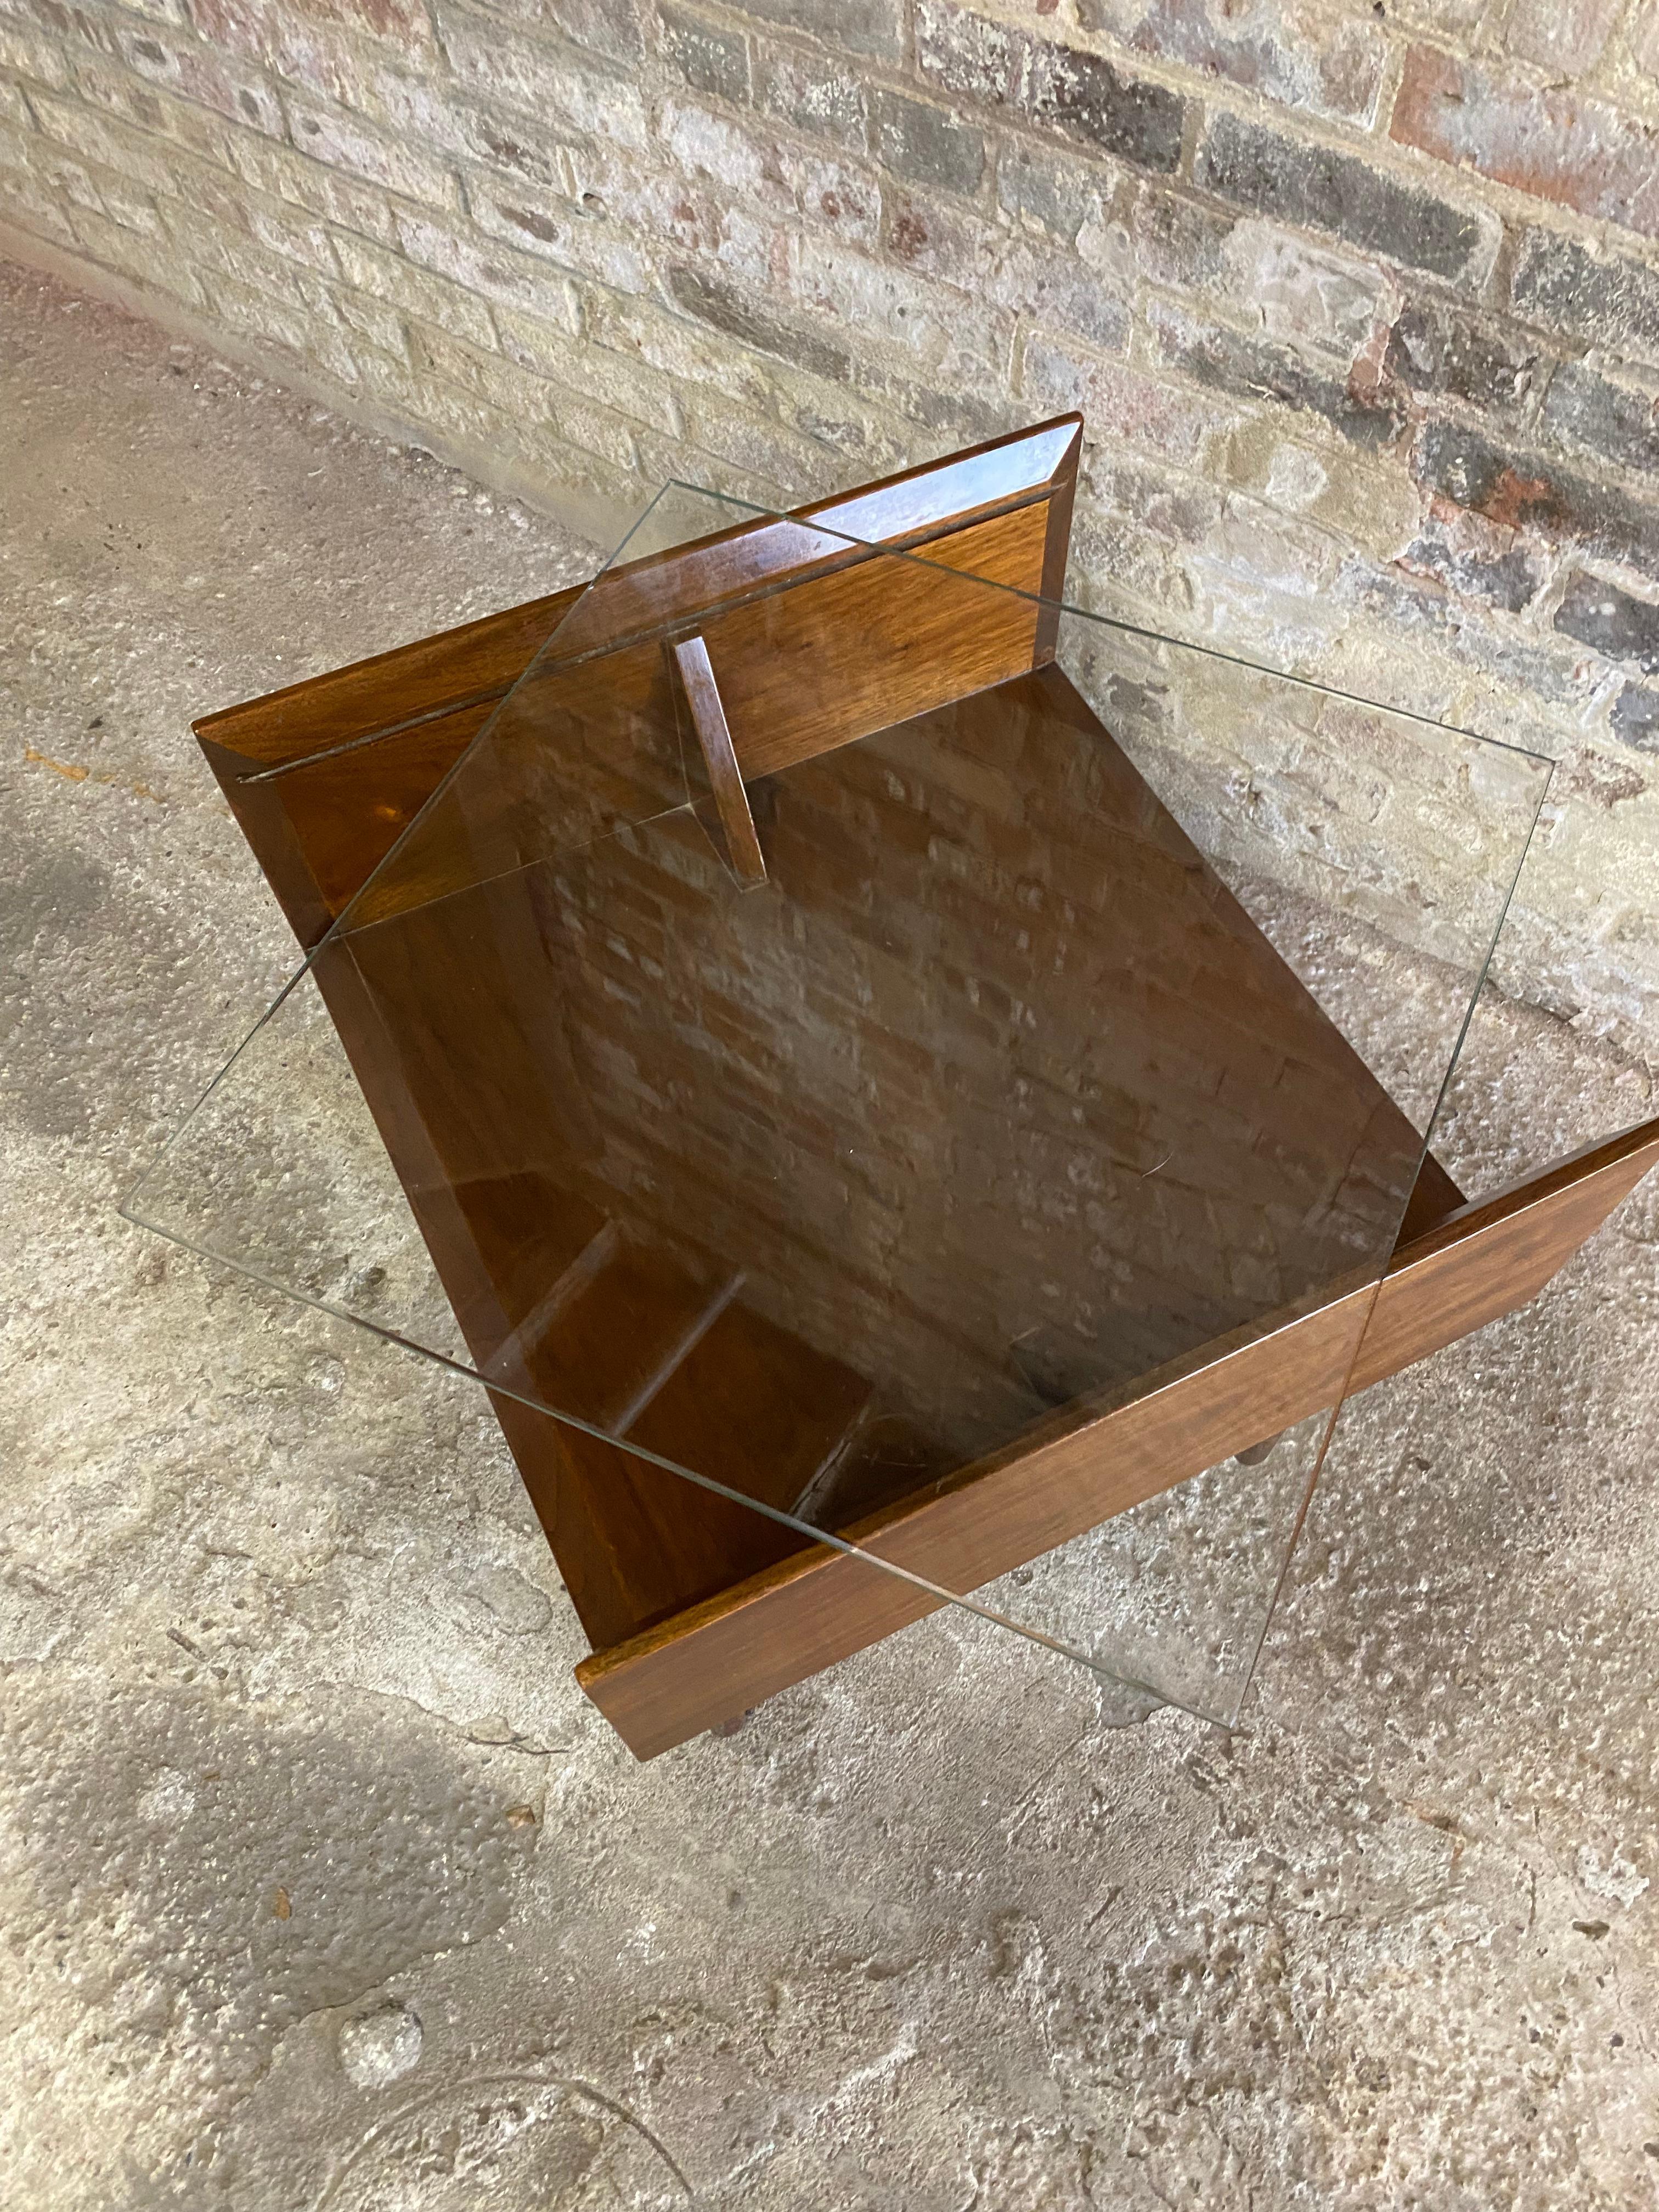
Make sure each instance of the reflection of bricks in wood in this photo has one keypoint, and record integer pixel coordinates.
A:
(991, 1058)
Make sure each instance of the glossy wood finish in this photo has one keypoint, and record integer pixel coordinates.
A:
(821, 655)
(726, 817)
(1489, 1258)
(464, 1039)
(327, 775)
(816, 1607)
(697, 1606)
(476, 663)
(473, 665)
(327, 819)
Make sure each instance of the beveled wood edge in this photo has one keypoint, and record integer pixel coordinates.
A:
(821, 1605)
(1497, 1252)
(741, 842)
(845, 503)
(1476, 1216)
(1062, 474)
(896, 533)
(264, 823)
(1057, 553)
(351, 673)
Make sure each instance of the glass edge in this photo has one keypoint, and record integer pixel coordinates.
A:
(127, 1207)
(1425, 1152)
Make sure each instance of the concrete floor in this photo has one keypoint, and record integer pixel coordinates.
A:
(320, 1884)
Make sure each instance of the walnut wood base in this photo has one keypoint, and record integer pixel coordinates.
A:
(820, 1605)
(698, 1608)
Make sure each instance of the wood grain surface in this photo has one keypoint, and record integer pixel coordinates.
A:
(334, 811)
(816, 1606)
(725, 816)
(698, 1606)
(478, 662)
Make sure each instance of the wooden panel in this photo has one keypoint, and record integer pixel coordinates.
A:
(1489, 1258)
(262, 819)
(477, 1096)
(326, 775)
(922, 512)
(633, 1541)
(321, 829)
(585, 743)
(330, 817)
(879, 642)
(819, 1605)
(727, 819)
(478, 661)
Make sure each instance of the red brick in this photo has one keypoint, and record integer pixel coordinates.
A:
(1554, 143)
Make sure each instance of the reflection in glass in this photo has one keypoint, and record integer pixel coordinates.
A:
(1023, 1080)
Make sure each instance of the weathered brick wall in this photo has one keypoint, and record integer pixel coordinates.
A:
(1361, 298)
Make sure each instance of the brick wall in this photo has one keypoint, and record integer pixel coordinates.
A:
(1361, 298)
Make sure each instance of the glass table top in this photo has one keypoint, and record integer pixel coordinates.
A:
(1065, 1035)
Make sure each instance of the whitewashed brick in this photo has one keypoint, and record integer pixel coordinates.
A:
(1126, 406)
(31, 203)
(437, 115)
(598, 430)
(598, 372)
(544, 225)
(682, 351)
(196, 72)
(301, 330)
(712, 57)
(1304, 57)
(362, 314)
(102, 85)
(723, 481)
(935, 327)
(159, 11)
(295, 241)
(482, 371)
(138, 257)
(829, 194)
(344, 142)
(868, 439)
(210, 246)
(544, 78)
(388, 277)
(303, 47)
(875, 28)
(781, 455)
(1015, 271)
(474, 265)
(818, 93)
(352, 206)
(610, 28)
(135, 154)
(59, 173)
(32, 56)
(1055, 191)
(826, 193)
(1287, 286)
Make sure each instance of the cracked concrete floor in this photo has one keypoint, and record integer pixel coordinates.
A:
(320, 1884)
